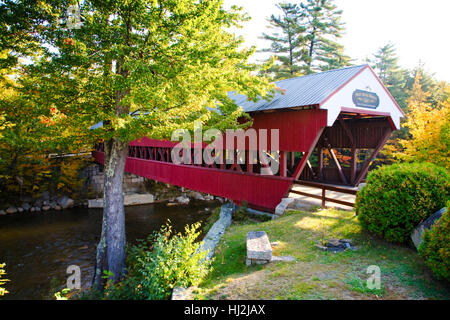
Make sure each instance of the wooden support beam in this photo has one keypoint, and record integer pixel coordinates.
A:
(347, 131)
(338, 165)
(368, 161)
(308, 163)
(306, 156)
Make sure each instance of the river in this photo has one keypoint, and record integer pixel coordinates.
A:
(38, 247)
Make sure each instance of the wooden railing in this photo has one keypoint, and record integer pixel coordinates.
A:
(324, 188)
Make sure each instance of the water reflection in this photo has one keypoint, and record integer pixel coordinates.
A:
(39, 247)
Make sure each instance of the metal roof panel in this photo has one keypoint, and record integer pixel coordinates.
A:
(301, 91)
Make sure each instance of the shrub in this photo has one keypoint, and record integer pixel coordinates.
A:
(162, 262)
(435, 247)
(399, 197)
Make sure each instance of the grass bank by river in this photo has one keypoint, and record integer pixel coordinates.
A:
(317, 274)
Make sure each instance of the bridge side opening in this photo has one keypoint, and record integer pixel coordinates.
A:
(345, 151)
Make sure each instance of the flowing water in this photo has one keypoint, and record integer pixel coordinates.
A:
(38, 247)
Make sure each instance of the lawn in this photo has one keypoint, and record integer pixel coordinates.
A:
(317, 274)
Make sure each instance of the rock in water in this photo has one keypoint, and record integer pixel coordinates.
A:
(417, 234)
(65, 202)
(11, 210)
(182, 200)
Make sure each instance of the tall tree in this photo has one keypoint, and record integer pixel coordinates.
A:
(144, 68)
(287, 41)
(323, 27)
(305, 40)
(385, 64)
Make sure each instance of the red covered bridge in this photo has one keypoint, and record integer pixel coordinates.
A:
(331, 126)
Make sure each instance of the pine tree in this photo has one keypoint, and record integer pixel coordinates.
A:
(287, 42)
(323, 26)
(385, 64)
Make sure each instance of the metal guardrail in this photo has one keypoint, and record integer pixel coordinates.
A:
(324, 188)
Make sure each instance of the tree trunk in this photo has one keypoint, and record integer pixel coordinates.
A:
(111, 247)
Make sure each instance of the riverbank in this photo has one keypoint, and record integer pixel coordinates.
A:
(38, 248)
(317, 274)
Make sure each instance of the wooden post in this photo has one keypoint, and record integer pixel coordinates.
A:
(323, 197)
(338, 165)
(283, 164)
(320, 160)
(249, 161)
(353, 165)
(292, 162)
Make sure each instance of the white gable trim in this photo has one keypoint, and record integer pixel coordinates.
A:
(365, 80)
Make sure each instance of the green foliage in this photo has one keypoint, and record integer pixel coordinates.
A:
(33, 174)
(63, 294)
(323, 28)
(385, 64)
(3, 291)
(143, 68)
(241, 214)
(159, 264)
(288, 44)
(398, 197)
(435, 247)
(305, 39)
(359, 285)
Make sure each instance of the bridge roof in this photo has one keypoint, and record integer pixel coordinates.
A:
(301, 91)
(356, 90)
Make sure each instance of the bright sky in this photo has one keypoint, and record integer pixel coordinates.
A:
(419, 29)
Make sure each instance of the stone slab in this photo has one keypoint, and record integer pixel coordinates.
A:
(129, 200)
(258, 246)
(282, 259)
(217, 230)
(282, 206)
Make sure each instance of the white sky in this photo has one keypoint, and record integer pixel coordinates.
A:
(419, 29)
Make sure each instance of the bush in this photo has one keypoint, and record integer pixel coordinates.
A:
(159, 264)
(435, 247)
(399, 197)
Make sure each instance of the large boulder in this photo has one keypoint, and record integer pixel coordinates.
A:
(417, 234)
(65, 202)
(138, 198)
(182, 199)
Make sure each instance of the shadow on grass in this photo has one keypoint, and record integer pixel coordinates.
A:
(403, 273)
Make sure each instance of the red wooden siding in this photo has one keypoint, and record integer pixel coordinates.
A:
(297, 128)
(261, 192)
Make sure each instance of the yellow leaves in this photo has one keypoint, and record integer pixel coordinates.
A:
(428, 125)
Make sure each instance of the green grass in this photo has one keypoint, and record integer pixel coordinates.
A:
(317, 274)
